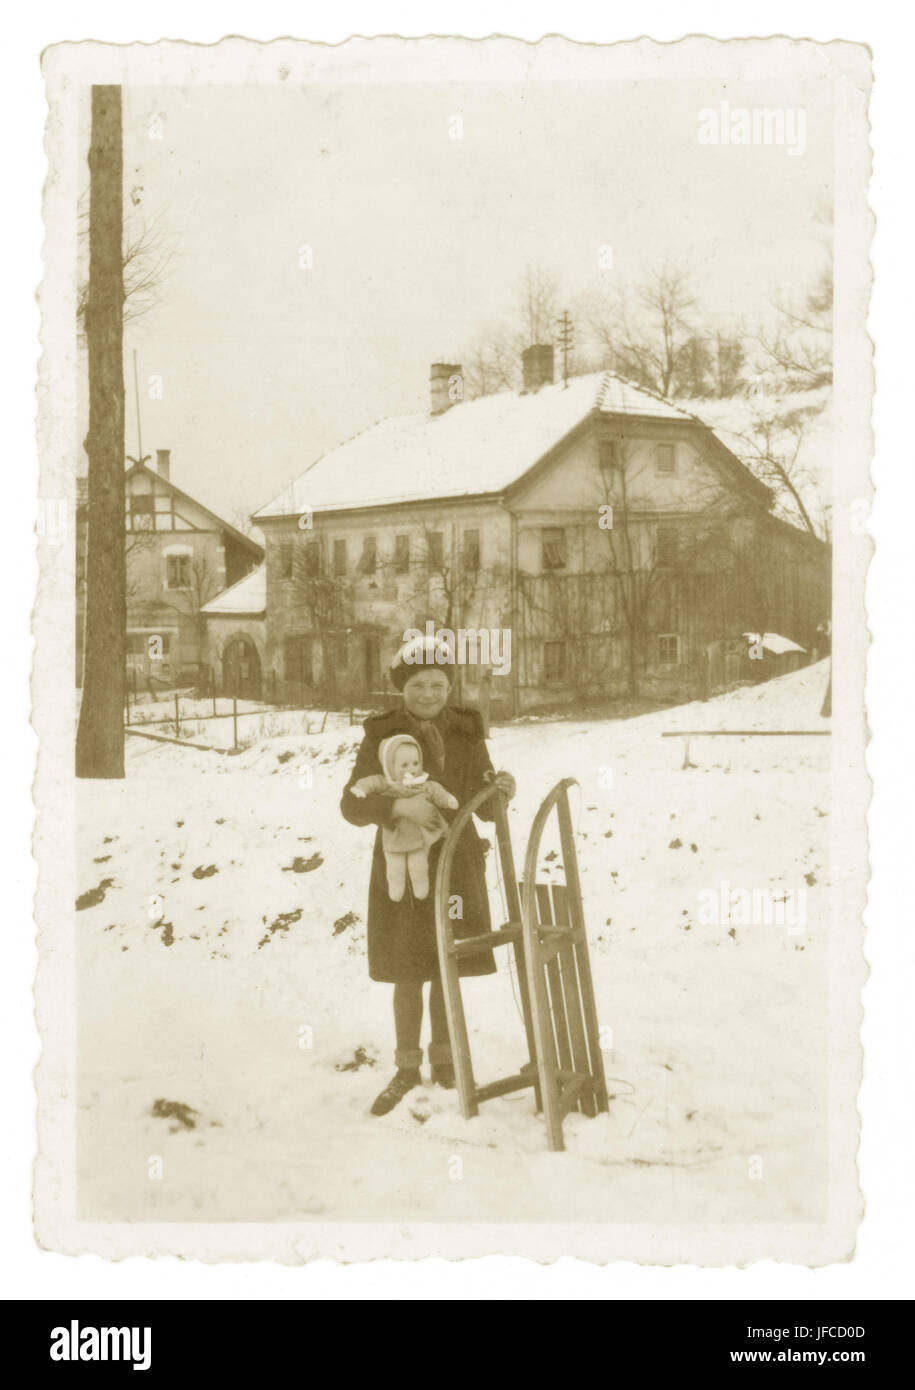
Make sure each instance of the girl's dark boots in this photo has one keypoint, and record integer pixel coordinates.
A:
(404, 1080)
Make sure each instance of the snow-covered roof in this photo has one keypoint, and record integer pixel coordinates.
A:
(248, 595)
(477, 447)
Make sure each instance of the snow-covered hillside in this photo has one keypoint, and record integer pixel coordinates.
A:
(228, 1027)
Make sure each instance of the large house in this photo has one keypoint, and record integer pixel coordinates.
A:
(612, 536)
(179, 556)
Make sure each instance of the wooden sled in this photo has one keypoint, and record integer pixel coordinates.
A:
(546, 931)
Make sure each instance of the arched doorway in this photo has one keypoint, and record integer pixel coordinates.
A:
(241, 668)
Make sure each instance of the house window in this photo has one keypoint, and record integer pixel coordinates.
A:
(665, 458)
(609, 454)
(435, 542)
(401, 554)
(339, 557)
(554, 661)
(368, 558)
(611, 467)
(553, 548)
(667, 543)
(142, 506)
(471, 551)
(311, 559)
(669, 649)
(286, 560)
(297, 659)
(178, 571)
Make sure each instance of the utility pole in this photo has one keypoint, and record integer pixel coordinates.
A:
(100, 734)
(566, 343)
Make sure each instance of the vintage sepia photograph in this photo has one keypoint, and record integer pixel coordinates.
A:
(449, 649)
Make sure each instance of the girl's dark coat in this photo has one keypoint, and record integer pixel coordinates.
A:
(401, 936)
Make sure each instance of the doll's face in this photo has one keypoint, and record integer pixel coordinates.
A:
(406, 760)
(425, 693)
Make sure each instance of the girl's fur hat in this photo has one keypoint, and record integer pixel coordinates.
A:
(417, 654)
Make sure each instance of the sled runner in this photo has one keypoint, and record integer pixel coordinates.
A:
(450, 952)
(566, 1033)
(546, 931)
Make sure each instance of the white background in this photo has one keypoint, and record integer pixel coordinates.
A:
(882, 1265)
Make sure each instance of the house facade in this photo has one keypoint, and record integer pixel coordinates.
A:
(612, 537)
(179, 556)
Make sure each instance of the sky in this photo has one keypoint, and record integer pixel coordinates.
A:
(418, 240)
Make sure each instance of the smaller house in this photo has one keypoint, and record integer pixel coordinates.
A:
(179, 555)
(236, 632)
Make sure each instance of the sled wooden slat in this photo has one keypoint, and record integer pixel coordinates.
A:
(505, 936)
(582, 958)
(559, 980)
(554, 980)
(450, 952)
(518, 1082)
(572, 992)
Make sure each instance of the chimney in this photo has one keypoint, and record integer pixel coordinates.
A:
(537, 366)
(163, 463)
(446, 386)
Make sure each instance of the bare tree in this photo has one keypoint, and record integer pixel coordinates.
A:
(100, 734)
(147, 256)
(492, 362)
(204, 583)
(325, 602)
(632, 558)
(772, 448)
(445, 581)
(798, 348)
(647, 337)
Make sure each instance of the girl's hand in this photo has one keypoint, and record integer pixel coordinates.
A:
(418, 809)
(505, 782)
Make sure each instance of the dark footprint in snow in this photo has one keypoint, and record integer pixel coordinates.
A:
(303, 866)
(348, 919)
(675, 844)
(208, 872)
(360, 1058)
(93, 896)
(185, 1115)
(281, 923)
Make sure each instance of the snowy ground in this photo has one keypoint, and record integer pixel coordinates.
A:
(228, 1028)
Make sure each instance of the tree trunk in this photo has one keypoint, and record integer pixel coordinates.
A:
(100, 736)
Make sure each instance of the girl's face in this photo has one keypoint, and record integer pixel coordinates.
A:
(425, 693)
(406, 760)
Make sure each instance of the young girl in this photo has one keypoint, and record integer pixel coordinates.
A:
(401, 935)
